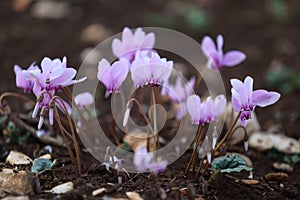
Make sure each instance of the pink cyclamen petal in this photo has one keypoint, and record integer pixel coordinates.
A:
(264, 98)
(132, 42)
(233, 58)
(244, 99)
(84, 99)
(216, 59)
(194, 107)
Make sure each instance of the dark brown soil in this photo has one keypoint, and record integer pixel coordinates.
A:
(247, 25)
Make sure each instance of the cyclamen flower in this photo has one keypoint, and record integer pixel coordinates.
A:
(244, 99)
(112, 76)
(178, 93)
(143, 160)
(132, 42)
(150, 70)
(53, 76)
(216, 58)
(205, 112)
(84, 99)
(21, 80)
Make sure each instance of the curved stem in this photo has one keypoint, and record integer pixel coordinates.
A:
(227, 134)
(235, 129)
(198, 139)
(12, 94)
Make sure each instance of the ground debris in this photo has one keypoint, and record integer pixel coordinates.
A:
(12, 182)
(17, 158)
(276, 176)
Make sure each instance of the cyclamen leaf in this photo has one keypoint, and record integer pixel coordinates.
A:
(40, 165)
(230, 163)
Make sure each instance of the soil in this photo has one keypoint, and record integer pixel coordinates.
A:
(247, 25)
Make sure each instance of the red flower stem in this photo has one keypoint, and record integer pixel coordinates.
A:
(200, 127)
(227, 134)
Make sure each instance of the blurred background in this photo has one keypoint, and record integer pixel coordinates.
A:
(267, 31)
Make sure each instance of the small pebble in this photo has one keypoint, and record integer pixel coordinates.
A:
(250, 181)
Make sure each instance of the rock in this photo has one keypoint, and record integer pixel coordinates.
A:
(16, 198)
(283, 167)
(98, 191)
(48, 9)
(278, 176)
(134, 196)
(17, 158)
(62, 188)
(19, 182)
(250, 181)
(113, 198)
(46, 156)
(137, 139)
(262, 141)
(95, 33)
(251, 127)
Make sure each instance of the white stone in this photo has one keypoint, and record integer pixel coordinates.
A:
(17, 158)
(95, 33)
(262, 141)
(63, 188)
(48, 9)
(133, 196)
(98, 191)
(16, 198)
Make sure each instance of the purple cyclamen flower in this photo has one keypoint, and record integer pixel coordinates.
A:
(132, 42)
(178, 93)
(53, 76)
(158, 166)
(216, 58)
(245, 99)
(84, 99)
(143, 160)
(112, 76)
(150, 70)
(205, 112)
(21, 80)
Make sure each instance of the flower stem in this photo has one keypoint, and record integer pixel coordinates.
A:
(227, 134)
(224, 139)
(198, 139)
(156, 139)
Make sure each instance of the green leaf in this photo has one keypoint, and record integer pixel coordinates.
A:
(126, 147)
(196, 18)
(230, 163)
(40, 165)
(295, 158)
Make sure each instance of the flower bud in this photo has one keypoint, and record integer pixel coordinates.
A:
(126, 115)
(215, 137)
(41, 121)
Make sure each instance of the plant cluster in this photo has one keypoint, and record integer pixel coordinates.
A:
(147, 68)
